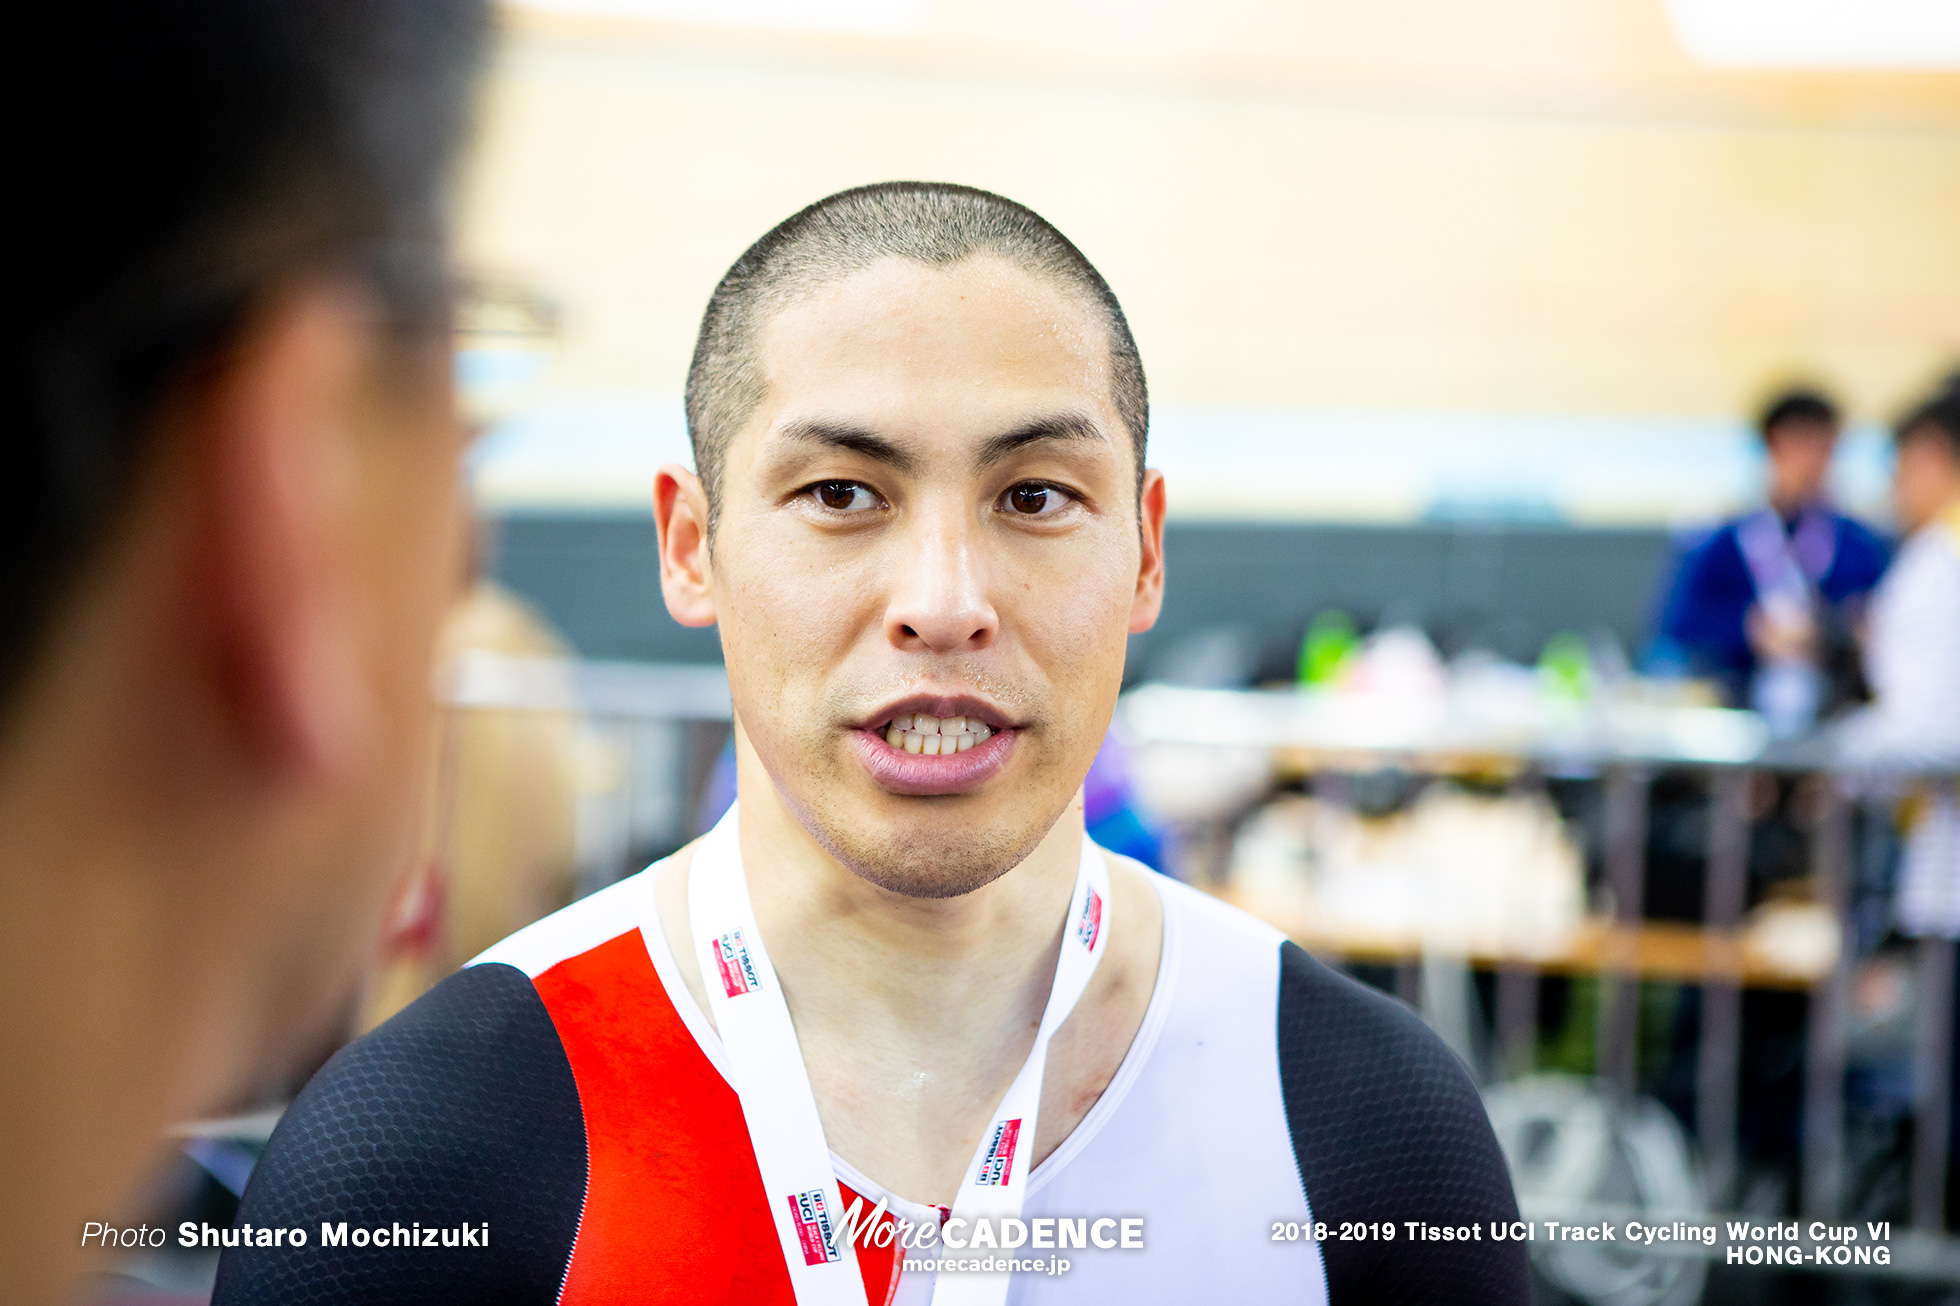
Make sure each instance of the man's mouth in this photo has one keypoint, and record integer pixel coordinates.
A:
(919, 753)
(932, 736)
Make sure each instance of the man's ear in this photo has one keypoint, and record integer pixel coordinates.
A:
(273, 429)
(1149, 600)
(680, 511)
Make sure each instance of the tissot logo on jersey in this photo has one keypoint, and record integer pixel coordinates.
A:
(737, 971)
(999, 1161)
(1090, 925)
(812, 1216)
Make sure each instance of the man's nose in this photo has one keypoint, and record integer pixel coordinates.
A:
(939, 600)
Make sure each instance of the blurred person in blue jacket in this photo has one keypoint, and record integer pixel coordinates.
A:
(1761, 604)
(231, 521)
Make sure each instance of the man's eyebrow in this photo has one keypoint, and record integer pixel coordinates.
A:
(855, 439)
(1059, 426)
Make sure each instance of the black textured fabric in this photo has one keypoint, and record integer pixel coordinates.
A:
(1387, 1127)
(460, 1110)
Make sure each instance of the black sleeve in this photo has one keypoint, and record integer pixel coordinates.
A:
(1387, 1126)
(462, 1110)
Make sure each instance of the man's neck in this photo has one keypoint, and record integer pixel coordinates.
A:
(914, 1015)
(862, 961)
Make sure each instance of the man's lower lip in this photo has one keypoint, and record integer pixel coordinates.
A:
(916, 774)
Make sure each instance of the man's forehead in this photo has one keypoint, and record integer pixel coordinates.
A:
(980, 319)
(981, 447)
(980, 348)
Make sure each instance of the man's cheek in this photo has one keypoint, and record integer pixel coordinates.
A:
(793, 610)
(1075, 620)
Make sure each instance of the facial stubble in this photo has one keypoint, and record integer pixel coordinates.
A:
(946, 855)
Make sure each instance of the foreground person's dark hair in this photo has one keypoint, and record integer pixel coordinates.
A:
(185, 160)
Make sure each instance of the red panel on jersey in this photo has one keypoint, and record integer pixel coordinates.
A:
(674, 1205)
(878, 1266)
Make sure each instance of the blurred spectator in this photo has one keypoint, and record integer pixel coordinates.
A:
(232, 523)
(1760, 604)
(1913, 660)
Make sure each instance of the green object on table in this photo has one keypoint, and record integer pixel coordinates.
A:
(1331, 640)
(1565, 666)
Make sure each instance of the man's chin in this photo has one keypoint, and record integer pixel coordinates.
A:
(931, 868)
(928, 847)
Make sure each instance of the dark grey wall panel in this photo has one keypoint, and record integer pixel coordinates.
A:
(597, 577)
(1501, 586)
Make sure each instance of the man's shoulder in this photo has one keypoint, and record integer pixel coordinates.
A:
(1219, 968)
(1385, 1123)
(1352, 1054)
(552, 1089)
(1862, 550)
(1343, 1046)
(460, 1111)
(1720, 546)
(466, 1068)
(1709, 561)
(1388, 1127)
(1921, 590)
(1855, 529)
(1933, 549)
(1211, 918)
(469, 1107)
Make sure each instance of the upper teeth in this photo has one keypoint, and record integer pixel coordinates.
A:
(915, 732)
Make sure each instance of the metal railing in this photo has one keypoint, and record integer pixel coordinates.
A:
(1624, 744)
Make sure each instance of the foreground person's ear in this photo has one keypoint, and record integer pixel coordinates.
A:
(275, 431)
(680, 512)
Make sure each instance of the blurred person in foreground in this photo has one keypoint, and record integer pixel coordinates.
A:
(897, 989)
(1912, 657)
(1764, 603)
(232, 525)
(499, 842)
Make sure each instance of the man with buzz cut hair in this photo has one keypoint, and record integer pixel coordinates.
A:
(896, 1031)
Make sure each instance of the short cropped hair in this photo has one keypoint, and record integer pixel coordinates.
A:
(1798, 405)
(934, 223)
(187, 159)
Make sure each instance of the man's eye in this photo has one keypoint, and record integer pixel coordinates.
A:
(1035, 500)
(844, 496)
